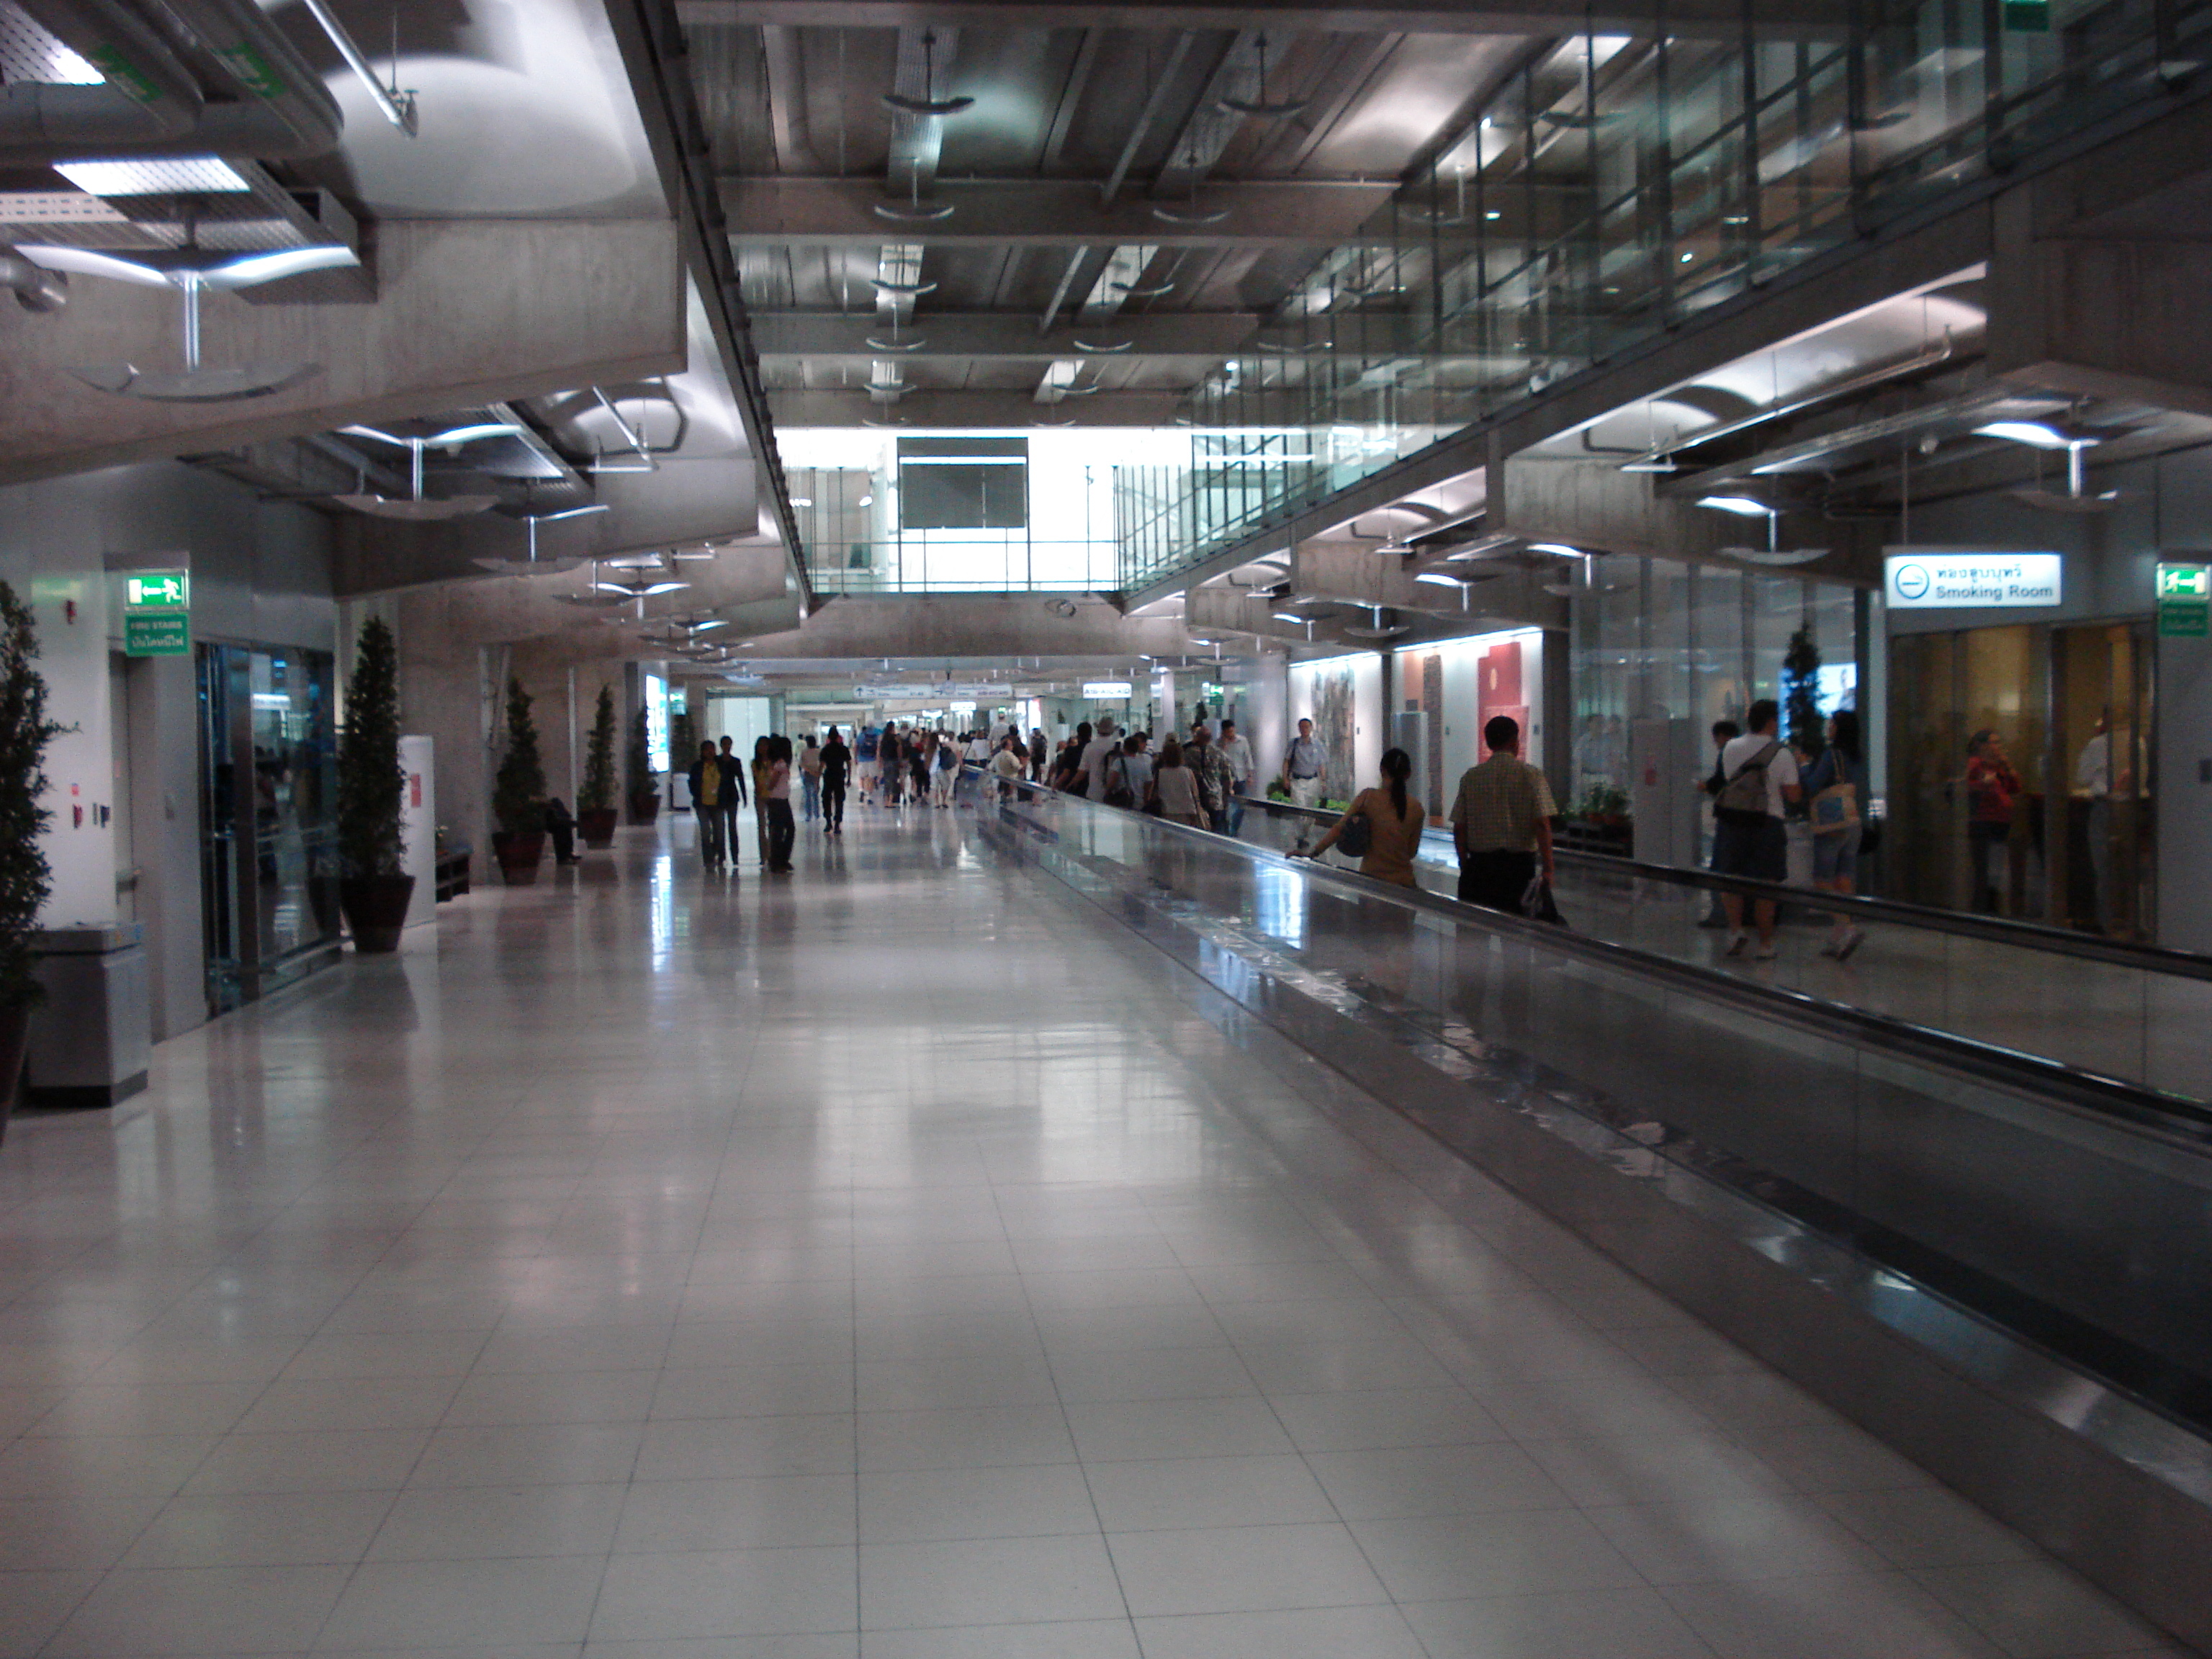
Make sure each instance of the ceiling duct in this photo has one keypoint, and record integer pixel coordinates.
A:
(150, 107)
(36, 288)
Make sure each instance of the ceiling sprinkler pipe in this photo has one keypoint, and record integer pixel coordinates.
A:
(36, 288)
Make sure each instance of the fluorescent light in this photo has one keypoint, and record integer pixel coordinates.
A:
(1743, 506)
(176, 175)
(802, 500)
(1284, 615)
(1559, 548)
(468, 434)
(1438, 579)
(2034, 433)
(865, 500)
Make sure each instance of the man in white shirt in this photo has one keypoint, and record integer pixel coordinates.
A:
(1236, 752)
(1092, 766)
(1759, 775)
(1305, 767)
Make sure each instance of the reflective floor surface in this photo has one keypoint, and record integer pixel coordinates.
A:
(889, 1261)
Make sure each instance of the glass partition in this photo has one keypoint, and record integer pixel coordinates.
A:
(1614, 185)
(2078, 1224)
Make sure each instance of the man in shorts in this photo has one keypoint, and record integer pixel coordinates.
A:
(1759, 783)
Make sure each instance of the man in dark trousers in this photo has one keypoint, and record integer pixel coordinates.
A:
(836, 768)
(1502, 823)
(731, 798)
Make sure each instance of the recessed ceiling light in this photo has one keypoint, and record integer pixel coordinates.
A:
(180, 175)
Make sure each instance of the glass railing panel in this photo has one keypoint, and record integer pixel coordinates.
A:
(2077, 1223)
(2135, 1024)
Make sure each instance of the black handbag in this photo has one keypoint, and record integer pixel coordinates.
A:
(1356, 836)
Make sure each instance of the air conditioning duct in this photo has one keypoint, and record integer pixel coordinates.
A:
(36, 288)
(280, 108)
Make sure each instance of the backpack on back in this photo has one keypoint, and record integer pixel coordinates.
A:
(1743, 797)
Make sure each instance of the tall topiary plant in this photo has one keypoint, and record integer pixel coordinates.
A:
(370, 782)
(374, 890)
(25, 876)
(644, 787)
(518, 797)
(1803, 723)
(599, 787)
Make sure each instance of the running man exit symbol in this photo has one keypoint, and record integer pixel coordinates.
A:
(156, 590)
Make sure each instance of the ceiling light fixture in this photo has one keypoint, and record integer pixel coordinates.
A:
(1258, 109)
(1559, 549)
(928, 104)
(532, 566)
(415, 508)
(1744, 507)
(191, 271)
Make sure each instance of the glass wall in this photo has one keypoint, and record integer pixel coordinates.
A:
(1660, 638)
(268, 834)
(1614, 185)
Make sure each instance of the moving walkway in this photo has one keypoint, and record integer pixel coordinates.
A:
(1997, 1259)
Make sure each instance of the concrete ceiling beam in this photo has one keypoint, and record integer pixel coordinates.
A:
(469, 312)
(1792, 20)
(1207, 335)
(1004, 628)
(779, 213)
(682, 503)
(973, 409)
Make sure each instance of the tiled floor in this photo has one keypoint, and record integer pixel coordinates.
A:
(887, 1262)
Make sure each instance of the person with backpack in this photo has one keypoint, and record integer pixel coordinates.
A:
(1502, 823)
(1748, 840)
(1382, 829)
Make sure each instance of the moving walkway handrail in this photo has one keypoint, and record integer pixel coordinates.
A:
(1995, 930)
(2183, 1123)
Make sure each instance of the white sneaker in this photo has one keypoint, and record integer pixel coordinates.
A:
(1765, 953)
(1736, 943)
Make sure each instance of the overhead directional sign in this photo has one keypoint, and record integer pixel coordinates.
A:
(1934, 581)
(157, 613)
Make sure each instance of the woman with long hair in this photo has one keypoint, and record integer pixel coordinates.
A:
(1175, 786)
(1836, 785)
(1394, 822)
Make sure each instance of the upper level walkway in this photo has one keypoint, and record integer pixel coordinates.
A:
(893, 1260)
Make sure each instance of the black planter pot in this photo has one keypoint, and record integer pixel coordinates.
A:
(596, 824)
(14, 1029)
(519, 856)
(376, 911)
(644, 806)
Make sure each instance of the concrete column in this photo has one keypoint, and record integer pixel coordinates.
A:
(165, 838)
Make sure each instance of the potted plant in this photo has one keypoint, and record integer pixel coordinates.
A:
(373, 891)
(644, 787)
(595, 805)
(518, 795)
(25, 876)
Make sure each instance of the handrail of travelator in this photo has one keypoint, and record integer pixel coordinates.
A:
(2184, 1121)
(1995, 930)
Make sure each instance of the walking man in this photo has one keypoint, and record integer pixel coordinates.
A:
(731, 798)
(836, 768)
(706, 780)
(1305, 767)
(1748, 839)
(1502, 823)
(1215, 787)
(1236, 754)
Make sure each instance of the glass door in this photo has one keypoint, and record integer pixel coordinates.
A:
(2103, 879)
(268, 842)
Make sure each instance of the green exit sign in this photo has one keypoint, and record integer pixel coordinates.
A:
(2185, 601)
(157, 590)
